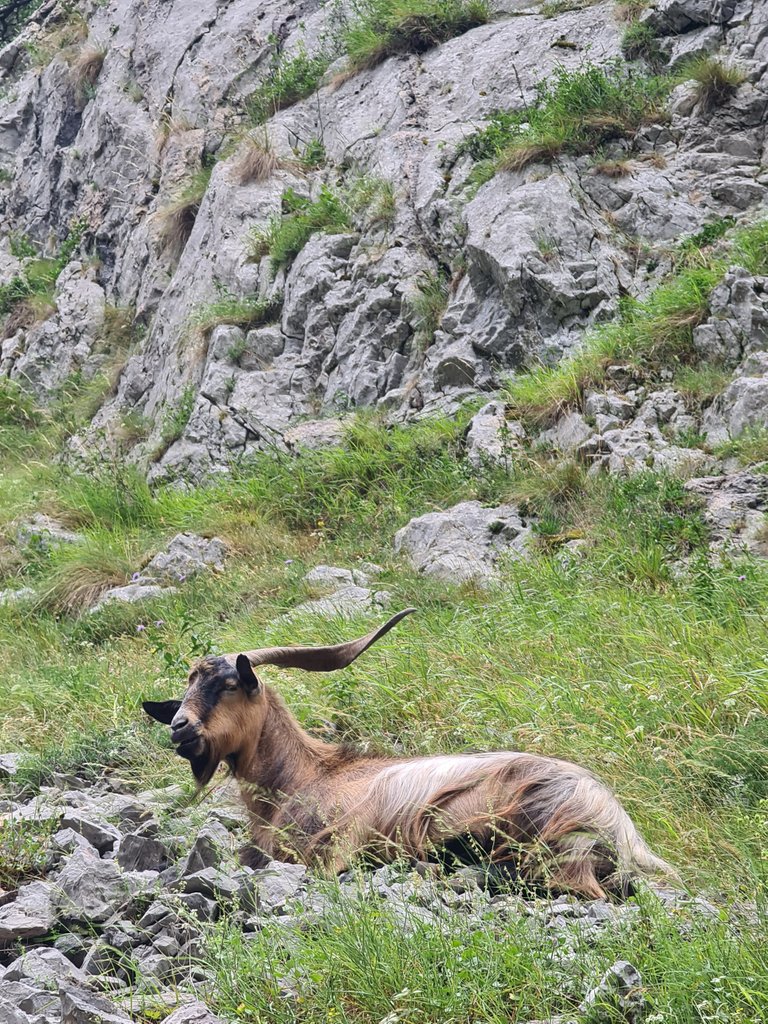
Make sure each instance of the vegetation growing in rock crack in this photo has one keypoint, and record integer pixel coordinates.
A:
(651, 333)
(177, 217)
(29, 296)
(574, 112)
(290, 78)
(366, 201)
(378, 29)
(247, 313)
(716, 81)
(428, 302)
(640, 42)
(86, 69)
(256, 159)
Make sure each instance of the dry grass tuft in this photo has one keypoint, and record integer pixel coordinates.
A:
(86, 69)
(177, 218)
(613, 168)
(257, 161)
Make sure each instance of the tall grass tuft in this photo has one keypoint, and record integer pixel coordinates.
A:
(715, 81)
(574, 112)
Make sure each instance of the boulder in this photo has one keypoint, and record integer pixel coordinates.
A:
(332, 577)
(10, 764)
(568, 433)
(313, 435)
(186, 555)
(492, 439)
(276, 884)
(131, 594)
(464, 542)
(735, 509)
(43, 533)
(30, 915)
(100, 834)
(346, 602)
(618, 995)
(90, 890)
(141, 853)
(20, 596)
(193, 1013)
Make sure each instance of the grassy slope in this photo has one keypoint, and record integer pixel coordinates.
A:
(658, 683)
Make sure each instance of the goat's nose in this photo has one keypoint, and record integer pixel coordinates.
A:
(179, 722)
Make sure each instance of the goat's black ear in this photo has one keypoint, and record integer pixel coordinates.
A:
(247, 676)
(162, 710)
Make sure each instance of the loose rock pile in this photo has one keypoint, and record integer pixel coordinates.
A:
(121, 913)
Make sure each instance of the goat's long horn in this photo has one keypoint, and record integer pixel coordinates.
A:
(322, 659)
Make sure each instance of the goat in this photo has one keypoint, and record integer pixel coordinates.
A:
(544, 821)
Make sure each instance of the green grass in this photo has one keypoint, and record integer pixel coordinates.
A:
(359, 963)
(749, 448)
(29, 296)
(365, 202)
(428, 303)
(379, 29)
(715, 80)
(289, 79)
(643, 659)
(652, 334)
(247, 313)
(574, 112)
(640, 42)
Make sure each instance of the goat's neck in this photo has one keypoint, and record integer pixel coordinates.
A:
(284, 758)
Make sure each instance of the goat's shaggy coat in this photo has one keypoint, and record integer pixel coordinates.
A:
(546, 821)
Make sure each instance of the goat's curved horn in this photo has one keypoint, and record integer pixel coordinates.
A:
(322, 659)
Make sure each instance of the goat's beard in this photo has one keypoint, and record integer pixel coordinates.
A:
(203, 762)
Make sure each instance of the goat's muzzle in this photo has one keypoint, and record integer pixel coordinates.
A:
(187, 738)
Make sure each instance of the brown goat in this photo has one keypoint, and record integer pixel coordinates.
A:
(545, 821)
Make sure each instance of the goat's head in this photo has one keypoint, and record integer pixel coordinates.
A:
(224, 705)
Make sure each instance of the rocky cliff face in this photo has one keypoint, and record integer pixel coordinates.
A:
(109, 114)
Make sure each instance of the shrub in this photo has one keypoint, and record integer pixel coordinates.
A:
(289, 79)
(715, 81)
(245, 313)
(177, 218)
(79, 573)
(381, 29)
(313, 156)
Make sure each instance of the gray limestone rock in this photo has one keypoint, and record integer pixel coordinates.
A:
(80, 1005)
(492, 439)
(346, 602)
(620, 990)
(10, 764)
(42, 533)
(42, 968)
(277, 884)
(22, 595)
(186, 555)
(735, 509)
(132, 593)
(464, 542)
(141, 853)
(30, 915)
(193, 1013)
(99, 834)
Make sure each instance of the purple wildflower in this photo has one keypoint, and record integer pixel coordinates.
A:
(140, 628)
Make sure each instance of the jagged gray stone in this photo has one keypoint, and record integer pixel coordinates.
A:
(464, 542)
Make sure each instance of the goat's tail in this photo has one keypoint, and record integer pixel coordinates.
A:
(584, 841)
